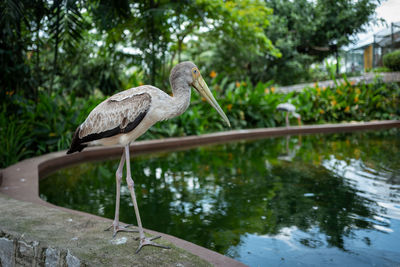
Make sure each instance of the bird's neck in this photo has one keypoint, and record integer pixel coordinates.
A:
(180, 97)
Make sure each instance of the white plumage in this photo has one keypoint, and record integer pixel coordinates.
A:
(286, 107)
(289, 108)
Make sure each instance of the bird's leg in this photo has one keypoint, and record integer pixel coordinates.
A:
(287, 144)
(299, 120)
(144, 241)
(118, 176)
(287, 119)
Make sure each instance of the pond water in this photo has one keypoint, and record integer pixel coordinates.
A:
(302, 200)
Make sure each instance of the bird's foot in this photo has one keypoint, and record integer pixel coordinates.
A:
(117, 228)
(148, 241)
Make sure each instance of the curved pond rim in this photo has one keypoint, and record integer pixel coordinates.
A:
(21, 180)
(187, 142)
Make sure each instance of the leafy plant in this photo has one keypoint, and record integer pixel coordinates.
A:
(392, 60)
(48, 125)
(347, 102)
(15, 139)
(381, 69)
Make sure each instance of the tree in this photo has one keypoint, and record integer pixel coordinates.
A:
(302, 32)
(309, 31)
(66, 27)
(236, 37)
(17, 23)
(28, 28)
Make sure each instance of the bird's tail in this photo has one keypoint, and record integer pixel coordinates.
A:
(76, 144)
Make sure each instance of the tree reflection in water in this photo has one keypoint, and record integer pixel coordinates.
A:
(216, 195)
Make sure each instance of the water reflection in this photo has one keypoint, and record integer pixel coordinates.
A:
(290, 153)
(335, 201)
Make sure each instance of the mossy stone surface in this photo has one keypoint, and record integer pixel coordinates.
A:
(85, 238)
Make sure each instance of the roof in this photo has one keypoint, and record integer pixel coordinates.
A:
(381, 37)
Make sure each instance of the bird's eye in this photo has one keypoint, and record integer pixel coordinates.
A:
(195, 72)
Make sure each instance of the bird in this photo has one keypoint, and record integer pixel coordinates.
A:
(290, 153)
(125, 116)
(289, 108)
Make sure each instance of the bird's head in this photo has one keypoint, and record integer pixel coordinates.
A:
(190, 72)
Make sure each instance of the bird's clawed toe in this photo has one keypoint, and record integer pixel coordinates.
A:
(117, 228)
(148, 241)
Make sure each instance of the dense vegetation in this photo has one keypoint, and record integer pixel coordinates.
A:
(37, 128)
(66, 46)
(60, 58)
(392, 60)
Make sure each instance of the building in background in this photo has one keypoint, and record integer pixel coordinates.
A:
(368, 54)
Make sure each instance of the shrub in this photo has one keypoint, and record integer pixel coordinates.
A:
(347, 102)
(15, 141)
(28, 128)
(392, 60)
(381, 69)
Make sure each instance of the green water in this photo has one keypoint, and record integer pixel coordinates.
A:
(313, 200)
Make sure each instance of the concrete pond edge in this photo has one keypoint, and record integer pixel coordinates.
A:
(21, 180)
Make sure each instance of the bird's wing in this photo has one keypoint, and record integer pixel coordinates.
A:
(120, 113)
(286, 107)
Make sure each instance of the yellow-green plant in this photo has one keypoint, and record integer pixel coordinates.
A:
(29, 128)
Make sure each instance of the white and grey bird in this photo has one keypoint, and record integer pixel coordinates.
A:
(122, 118)
(289, 108)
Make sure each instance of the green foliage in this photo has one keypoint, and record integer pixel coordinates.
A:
(309, 36)
(299, 38)
(15, 141)
(347, 102)
(15, 37)
(80, 46)
(60, 58)
(249, 106)
(392, 60)
(242, 25)
(381, 69)
(29, 128)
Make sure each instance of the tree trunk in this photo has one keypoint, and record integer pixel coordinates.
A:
(37, 62)
(57, 37)
(152, 38)
(179, 49)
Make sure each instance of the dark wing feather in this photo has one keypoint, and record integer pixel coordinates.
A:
(116, 115)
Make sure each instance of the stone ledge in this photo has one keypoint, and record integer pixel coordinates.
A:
(17, 251)
(35, 235)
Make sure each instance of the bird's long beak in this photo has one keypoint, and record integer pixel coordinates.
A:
(200, 85)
